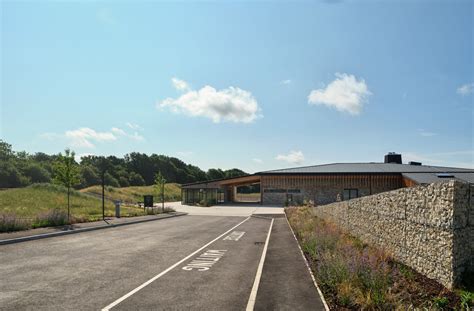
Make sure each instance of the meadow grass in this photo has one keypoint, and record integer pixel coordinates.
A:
(135, 194)
(41, 205)
(354, 275)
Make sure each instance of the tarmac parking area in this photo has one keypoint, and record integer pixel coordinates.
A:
(188, 262)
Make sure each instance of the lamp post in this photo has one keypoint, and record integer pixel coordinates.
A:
(103, 194)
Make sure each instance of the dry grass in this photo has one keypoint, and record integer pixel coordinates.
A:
(45, 205)
(135, 194)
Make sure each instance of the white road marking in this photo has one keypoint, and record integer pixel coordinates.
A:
(256, 283)
(205, 261)
(234, 236)
(326, 307)
(116, 302)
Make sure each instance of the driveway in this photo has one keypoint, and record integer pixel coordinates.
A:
(237, 209)
(190, 262)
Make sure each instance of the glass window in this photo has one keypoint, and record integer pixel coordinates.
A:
(350, 194)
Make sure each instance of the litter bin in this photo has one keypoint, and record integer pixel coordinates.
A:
(117, 209)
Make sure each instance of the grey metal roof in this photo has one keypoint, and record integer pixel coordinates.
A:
(367, 168)
(427, 178)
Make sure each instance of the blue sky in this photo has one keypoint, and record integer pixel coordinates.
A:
(251, 85)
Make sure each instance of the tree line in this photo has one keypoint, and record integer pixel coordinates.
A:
(20, 169)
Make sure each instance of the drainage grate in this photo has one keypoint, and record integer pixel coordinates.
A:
(259, 243)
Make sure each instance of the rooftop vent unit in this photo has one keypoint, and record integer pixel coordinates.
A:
(445, 175)
(414, 163)
(393, 157)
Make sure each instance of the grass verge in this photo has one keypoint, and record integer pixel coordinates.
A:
(354, 276)
(44, 205)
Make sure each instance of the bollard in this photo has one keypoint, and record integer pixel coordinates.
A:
(117, 209)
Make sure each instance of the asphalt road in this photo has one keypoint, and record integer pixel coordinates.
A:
(188, 262)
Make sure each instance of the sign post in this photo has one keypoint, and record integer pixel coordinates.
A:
(147, 202)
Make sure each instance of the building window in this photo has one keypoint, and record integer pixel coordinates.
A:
(273, 190)
(294, 191)
(350, 194)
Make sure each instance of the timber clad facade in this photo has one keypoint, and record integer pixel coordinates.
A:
(324, 189)
(323, 184)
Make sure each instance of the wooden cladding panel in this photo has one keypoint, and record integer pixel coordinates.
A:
(391, 181)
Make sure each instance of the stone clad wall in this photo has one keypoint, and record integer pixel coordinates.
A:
(429, 228)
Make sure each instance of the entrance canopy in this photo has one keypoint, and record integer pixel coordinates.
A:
(216, 191)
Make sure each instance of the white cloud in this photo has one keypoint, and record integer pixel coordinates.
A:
(134, 126)
(285, 82)
(134, 136)
(86, 137)
(118, 131)
(257, 160)
(231, 104)
(345, 93)
(294, 157)
(425, 133)
(105, 17)
(465, 89)
(180, 85)
(78, 157)
(83, 137)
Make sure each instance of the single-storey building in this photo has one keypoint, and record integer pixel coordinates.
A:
(322, 184)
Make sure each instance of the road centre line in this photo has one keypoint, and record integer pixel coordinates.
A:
(258, 275)
(116, 302)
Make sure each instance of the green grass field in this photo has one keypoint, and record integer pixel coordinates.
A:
(41, 205)
(135, 194)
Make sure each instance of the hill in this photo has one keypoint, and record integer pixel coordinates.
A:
(135, 194)
(41, 205)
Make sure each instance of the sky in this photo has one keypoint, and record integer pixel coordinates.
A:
(252, 85)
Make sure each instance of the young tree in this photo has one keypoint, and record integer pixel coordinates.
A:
(160, 182)
(66, 173)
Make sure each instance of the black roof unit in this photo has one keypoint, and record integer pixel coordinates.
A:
(393, 157)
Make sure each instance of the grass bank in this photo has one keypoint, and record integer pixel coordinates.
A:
(354, 276)
(135, 194)
(42, 205)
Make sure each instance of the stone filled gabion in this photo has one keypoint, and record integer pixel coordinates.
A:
(428, 227)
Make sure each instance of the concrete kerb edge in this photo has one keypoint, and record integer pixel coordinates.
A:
(308, 267)
(61, 233)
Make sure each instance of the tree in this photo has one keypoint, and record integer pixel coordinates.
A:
(213, 173)
(123, 181)
(36, 173)
(160, 182)
(90, 177)
(66, 173)
(10, 177)
(136, 179)
(111, 180)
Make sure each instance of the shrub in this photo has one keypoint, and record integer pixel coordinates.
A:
(354, 274)
(11, 222)
(54, 217)
(440, 302)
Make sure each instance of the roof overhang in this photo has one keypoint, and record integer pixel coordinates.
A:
(215, 184)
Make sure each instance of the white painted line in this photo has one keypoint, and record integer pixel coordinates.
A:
(256, 282)
(234, 236)
(309, 268)
(116, 302)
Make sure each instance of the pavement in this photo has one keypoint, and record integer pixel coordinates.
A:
(196, 262)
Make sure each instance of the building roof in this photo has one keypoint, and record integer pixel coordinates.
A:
(418, 173)
(344, 168)
(428, 178)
